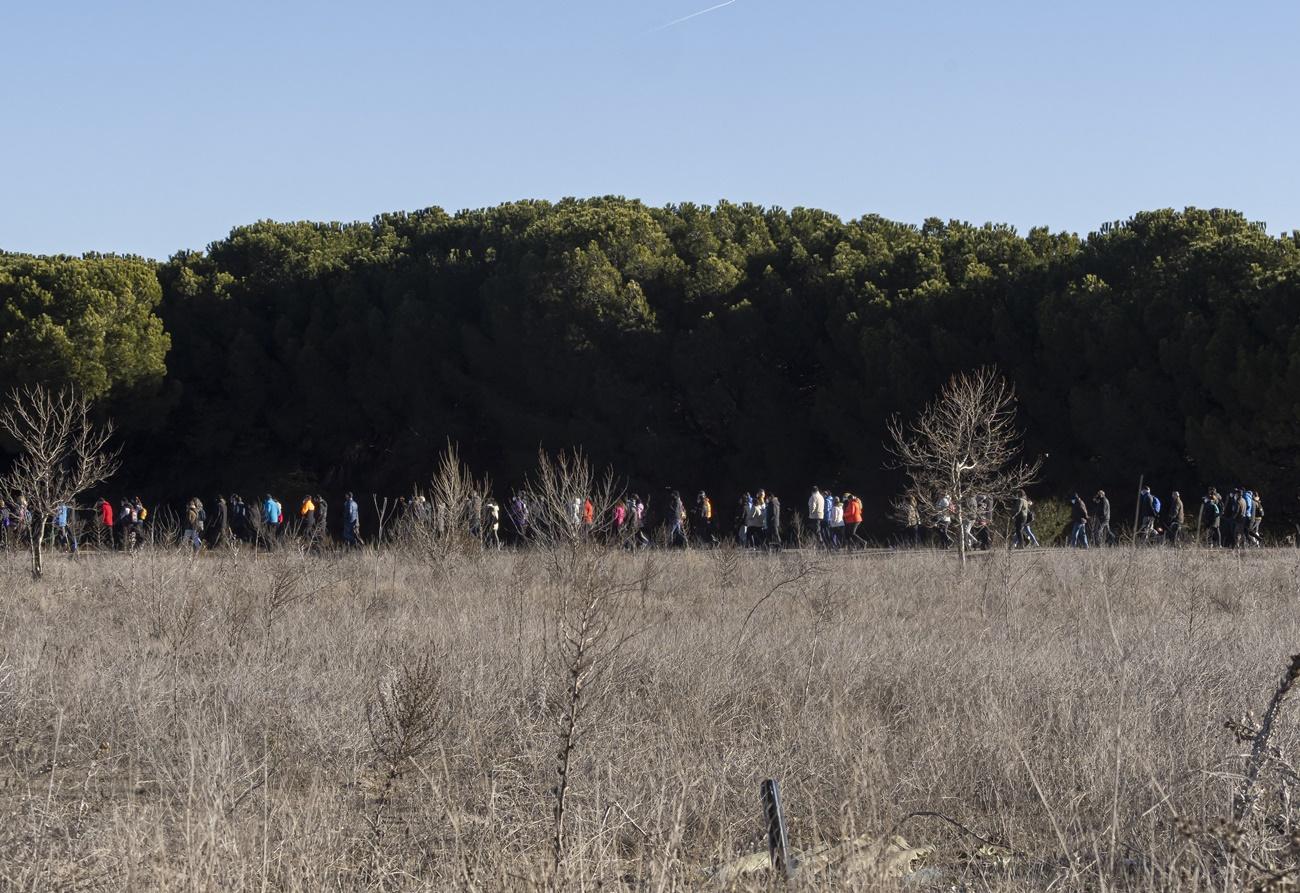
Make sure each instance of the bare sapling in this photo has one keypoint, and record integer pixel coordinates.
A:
(571, 508)
(62, 453)
(449, 521)
(964, 446)
(571, 511)
(404, 718)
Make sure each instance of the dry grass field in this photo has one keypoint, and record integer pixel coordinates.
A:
(1052, 720)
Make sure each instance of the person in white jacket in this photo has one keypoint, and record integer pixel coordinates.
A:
(817, 514)
(836, 523)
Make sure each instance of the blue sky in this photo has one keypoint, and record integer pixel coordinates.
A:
(147, 127)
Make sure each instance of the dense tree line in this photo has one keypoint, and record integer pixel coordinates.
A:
(731, 347)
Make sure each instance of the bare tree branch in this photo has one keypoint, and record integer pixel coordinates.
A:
(963, 448)
(62, 453)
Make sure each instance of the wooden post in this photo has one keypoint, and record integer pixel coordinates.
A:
(778, 845)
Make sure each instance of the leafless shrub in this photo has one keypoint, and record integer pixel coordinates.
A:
(446, 523)
(405, 716)
(404, 719)
(571, 511)
(726, 565)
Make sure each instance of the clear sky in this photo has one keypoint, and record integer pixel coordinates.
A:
(147, 127)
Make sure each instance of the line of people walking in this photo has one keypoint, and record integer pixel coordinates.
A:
(1229, 521)
(831, 522)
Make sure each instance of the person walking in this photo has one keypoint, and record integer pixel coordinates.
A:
(104, 523)
(1175, 518)
(194, 518)
(1228, 526)
(676, 520)
(518, 514)
(943, 520)
(914, 529)
(307, 517)
(351, 522)
(702, 520)
(852, 521)
(1148, 512)
(756, 521)
(1256, 520)
(1211, 517)
(1101, 532)
(1241, 519)
(836, 522)
(139, 515)
(1020, 521)
(772, 518)
(270, 519)
(817, 514)
(321, 528)
(491, 523)
(1079, 522)
(65, 532)
(219, 523)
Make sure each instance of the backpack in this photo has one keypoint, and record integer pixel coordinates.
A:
(1155, 503)
(1214, 509)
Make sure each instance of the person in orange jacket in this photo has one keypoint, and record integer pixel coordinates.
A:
(852, 520)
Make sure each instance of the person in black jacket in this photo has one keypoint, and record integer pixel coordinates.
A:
(773, 538)
(1101, 533)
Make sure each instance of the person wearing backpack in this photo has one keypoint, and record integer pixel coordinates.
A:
(194, 518)
(1240, 519)
(1211, 515)
(1256, 519)
(1148, 511)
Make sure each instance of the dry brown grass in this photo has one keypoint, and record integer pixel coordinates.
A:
(382, 722)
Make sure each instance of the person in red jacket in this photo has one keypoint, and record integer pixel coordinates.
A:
(104, 514)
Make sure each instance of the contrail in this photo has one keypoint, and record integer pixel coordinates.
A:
(691, 16)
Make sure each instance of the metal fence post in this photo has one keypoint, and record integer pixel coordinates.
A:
(778, 844)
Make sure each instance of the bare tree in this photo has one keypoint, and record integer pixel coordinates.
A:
(61, 454)
(964, 445)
